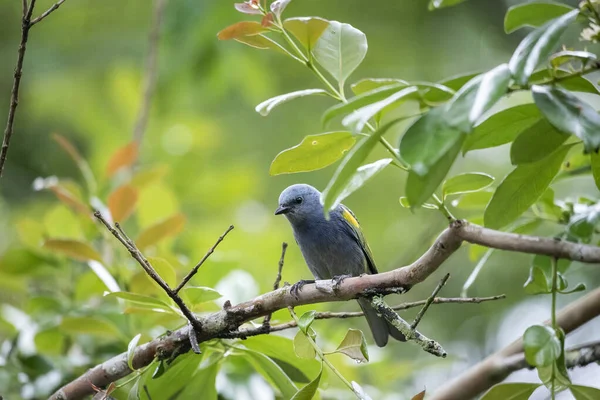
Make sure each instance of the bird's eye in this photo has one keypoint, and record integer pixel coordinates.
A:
(298, 200)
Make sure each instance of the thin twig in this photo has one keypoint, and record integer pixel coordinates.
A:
(428, 302)
(284, 246)
(151, 71)
(47, 12)
(208, 253)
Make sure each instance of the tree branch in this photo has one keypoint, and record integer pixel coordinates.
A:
(492, 370)
(47, 12)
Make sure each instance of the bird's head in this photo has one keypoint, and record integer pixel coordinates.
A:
(299, 201)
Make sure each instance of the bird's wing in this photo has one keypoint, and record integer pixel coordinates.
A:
(356, 232)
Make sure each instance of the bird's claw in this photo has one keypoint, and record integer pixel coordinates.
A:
(338, 279)
(297, 287)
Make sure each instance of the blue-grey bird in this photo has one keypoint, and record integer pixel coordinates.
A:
(332, 248)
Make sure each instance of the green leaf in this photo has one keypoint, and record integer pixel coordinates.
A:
(360, 117)
(177, 374)
(343, 176)
(360, 177)
(535, 143)
(595, 160)
(308, 392)
(201, 385)
(444, 90)
(164, 269)
(541, 345)
(420, 188)
(306, 29)
(502, 127)
(195, 295)
(537, 46)
(272, 373)
(404, 203)
(569, 114)
(72, 248)
(427, 141)
(303, 347)
(521, 188)
(580, 287)
(473, 201)
(493, 86)
(562, 57)
(533, 14)
(314, 152)
(537, 283)
(340, 49)
(555, 375)
(459, 106)
(306, 320)
(466, 183)
(571, 83)
(141, 300)
(50, 342)
(354, 346)
(510, 391)
(131, 350)
(361, 100)
(266, 106)
(369, 84)
(437, 4)
(584, 392)
(89, 326)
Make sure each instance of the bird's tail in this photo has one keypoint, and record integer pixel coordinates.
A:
(380, 328)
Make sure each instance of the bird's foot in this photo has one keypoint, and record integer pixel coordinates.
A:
(338, 279)
(296, 287)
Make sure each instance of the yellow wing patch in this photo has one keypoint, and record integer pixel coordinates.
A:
(350, 218)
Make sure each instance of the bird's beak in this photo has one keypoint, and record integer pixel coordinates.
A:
(282, 210)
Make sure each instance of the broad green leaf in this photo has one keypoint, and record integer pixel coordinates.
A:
(140, 300)
(272, 373)
(404, 203)
(303, 347)
(360, 177)
(541, 345)
(306, 29)
(569, 114)
(361, 100)
(201, 385)
(521, 188)
(123, 157)
(580, 287)
(347, 169)
(427, 141)
(159, 231)
(565, 56)
(241, 29)
(535, 143)
(511, 391)
(306, 320)
(308, 392)
(266, 106)
(131, 350)
(584, 392)
(502, 127)
(420, 188)
(595, 160)
(89, 326)
(340, 49)
(473, 201)
(533, 14)
(555, 375)
(354, 346)
(583, 223)
(466, 183)
(369, 84)
(122, 202)
(537, 282)
(50, 341)
(436, 4)
(199, 294)
(178, 374)
(537, 46)
(360, 117)
(164, 269)
(444, 90)
(72, 248)
(493, 86)
(457, 110)
(572, 83)
(314, 152)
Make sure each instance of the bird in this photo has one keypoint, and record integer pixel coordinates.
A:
(333, 248)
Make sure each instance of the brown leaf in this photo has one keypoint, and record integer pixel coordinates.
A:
(419, 396)
(72, 248)
(241, 29)
(267, 20)
(123, 157)
(69, 199)
(122, 202)
(159, 231)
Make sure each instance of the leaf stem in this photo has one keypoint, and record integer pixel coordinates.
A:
(442, 207)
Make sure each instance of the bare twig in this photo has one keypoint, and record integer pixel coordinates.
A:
(151, 71)
(47, 12)
(428, 302)
(284, 246)
(197, 266)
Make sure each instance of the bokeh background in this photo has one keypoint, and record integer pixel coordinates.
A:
(211, 153)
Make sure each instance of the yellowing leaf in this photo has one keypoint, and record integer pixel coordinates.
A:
(241, 29)
(157, 232)
(306, 29)
(148, 176)
(354, 346)
(121, 202)
(123, 157)
(72, 248)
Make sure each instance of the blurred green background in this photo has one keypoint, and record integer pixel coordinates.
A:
(211, 153)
